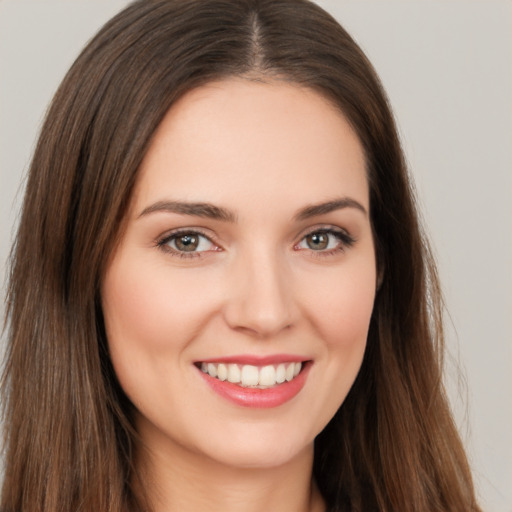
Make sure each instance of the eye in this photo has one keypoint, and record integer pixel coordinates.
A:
(326, 240)
(187, 243)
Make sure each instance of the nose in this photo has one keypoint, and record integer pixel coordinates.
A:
(260, 298)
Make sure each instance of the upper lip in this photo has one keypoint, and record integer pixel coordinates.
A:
(256, 360)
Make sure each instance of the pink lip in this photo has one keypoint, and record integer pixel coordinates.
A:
(258, 398)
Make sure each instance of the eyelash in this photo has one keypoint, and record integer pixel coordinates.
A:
(345, 241)
(168, 238)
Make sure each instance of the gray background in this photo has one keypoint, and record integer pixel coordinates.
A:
(447, 67)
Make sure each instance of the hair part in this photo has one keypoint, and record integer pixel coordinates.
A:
(69, 435)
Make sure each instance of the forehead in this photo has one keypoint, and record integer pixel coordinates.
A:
(234, 140)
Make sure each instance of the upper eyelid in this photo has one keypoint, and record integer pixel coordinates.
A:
(179, 231)
(328, 228)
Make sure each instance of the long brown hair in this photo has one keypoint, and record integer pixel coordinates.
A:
(69, 437)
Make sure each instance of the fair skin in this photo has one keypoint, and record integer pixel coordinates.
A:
(277, 270)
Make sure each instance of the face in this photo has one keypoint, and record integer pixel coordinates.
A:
(238, 301)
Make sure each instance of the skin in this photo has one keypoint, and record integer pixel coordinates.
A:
(255, 285)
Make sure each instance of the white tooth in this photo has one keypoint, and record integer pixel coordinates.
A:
(298, 367)
(250, 375)
(222, 372)
(289, 371)
(280, 374)
(212, 370)
(233, 373)
(267, 376)
(204, 367)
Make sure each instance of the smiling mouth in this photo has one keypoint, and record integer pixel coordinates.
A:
(251, 376)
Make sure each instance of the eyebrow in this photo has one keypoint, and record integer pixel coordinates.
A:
(211, 211)
(328, 207)
(196, 209)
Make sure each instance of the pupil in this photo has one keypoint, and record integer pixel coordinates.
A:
(187, 243)
(317, 241)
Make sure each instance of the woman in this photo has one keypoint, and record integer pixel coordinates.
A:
(220, 294)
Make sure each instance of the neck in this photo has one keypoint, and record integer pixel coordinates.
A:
(187, 482)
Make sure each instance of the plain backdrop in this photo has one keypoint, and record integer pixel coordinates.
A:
(447, 67)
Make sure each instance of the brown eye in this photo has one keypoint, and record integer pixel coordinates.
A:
(188, 242)
(326, 241)
(317, 241)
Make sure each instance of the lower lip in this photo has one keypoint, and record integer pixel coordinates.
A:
(258, 398)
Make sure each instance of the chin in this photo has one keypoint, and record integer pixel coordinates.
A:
(263, 456)
(260, 449)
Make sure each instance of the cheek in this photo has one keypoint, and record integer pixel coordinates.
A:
(342, 304)
(150, 319)
(148, 310)
(133, 311)
(339, 307)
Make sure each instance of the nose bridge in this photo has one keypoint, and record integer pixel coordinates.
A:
(260, 299)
